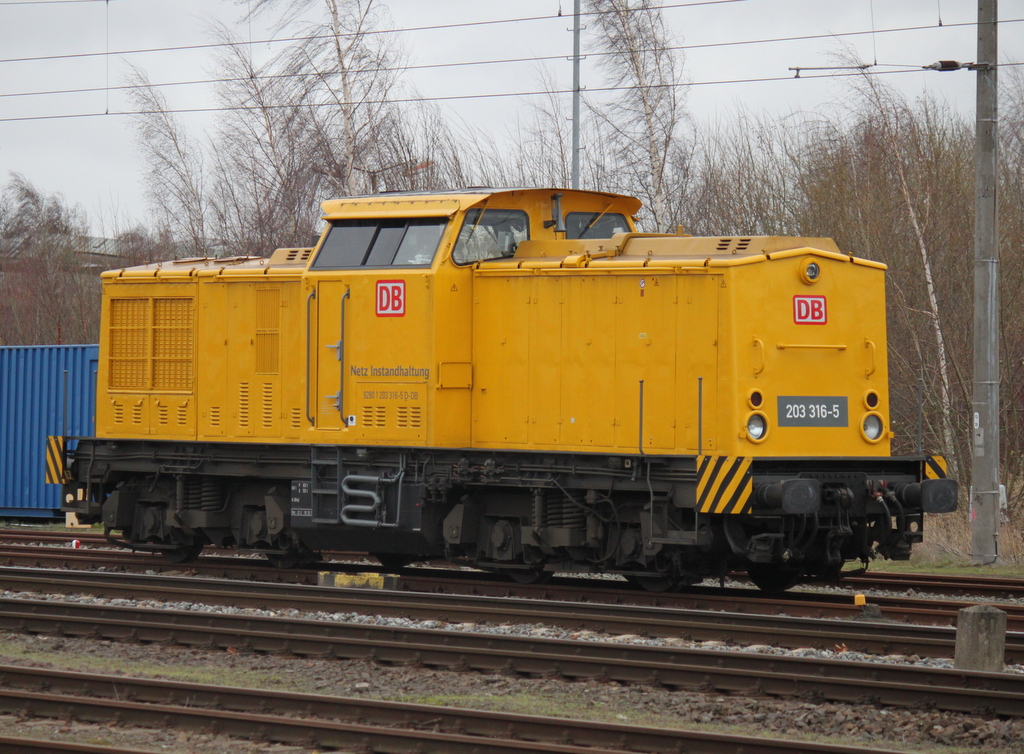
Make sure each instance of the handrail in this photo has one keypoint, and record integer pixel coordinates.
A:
(823, 346)
(309, 337)
(870, 345)
(341, 361)
(700, 415)
(352, 508)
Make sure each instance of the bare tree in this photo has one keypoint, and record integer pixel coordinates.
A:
(177, 177)
(47, 295)
(904, 144)
(357, 70)
(315, 121)
(1011, 273)
(642, 122)
(265, 174)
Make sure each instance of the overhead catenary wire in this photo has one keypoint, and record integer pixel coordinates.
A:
(47, 2)
(466, 24)
(366, 32)
(470, 63)
(454, 97)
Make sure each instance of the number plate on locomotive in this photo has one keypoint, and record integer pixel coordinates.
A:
(813, 411)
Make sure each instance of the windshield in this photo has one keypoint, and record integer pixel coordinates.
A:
(594, 225)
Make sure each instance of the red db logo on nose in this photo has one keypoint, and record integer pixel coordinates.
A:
(390, 298)
(810, 310)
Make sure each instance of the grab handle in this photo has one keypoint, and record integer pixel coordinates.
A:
(759, 365)
(822, 346)
(309, 338)
(870, 345)
(341, 361)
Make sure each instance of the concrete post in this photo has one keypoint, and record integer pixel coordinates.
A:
(576, 58)
(985, 475)
(980, 639)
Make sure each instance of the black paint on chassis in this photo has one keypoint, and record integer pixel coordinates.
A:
(511, 511)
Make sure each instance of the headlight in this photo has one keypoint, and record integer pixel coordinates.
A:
(872, 427)
(810, 271)
(757, 427)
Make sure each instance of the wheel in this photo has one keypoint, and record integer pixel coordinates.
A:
(529, 576)
(183, 553)
(773, 578)
(654, 582)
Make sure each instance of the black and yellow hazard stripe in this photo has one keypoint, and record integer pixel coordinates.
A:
(54, 460)
(724, 484)
(935, 468)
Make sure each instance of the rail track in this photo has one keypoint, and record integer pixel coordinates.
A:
(683, 615)
(331, 721)
(928, 583)
(727, 672)
(18, 745)
(933, 611)
(967, 586)
(663, 622)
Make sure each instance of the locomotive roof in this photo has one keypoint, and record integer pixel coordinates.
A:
(442, 203)
(622, 250)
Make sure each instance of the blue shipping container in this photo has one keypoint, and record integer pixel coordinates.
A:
(44, 390)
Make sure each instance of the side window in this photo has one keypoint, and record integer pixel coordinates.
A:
(345, 245)
(389, 236)
(380, 243)
(594, 225)
(419, 243)
(490, 234)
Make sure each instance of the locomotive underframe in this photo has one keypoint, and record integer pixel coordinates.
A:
(522, 513)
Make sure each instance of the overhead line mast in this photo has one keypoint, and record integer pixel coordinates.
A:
(985, 493)
(576, 96)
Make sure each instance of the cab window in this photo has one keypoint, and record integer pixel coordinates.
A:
(380, 243)
(594, 224)
(490, 234)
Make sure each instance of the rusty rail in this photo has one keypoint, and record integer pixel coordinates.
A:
(746, 673)
(297, 718)
(665, 622)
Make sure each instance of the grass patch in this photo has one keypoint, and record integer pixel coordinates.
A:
(946, 565)
(55, 656)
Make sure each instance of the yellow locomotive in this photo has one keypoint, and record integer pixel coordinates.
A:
(514, 379)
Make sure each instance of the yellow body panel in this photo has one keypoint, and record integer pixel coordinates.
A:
(544, 350)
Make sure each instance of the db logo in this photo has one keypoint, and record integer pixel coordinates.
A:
(390, 298)
(809, 310)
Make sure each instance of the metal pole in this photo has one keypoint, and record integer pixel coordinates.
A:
(576, 97)
(985, 424)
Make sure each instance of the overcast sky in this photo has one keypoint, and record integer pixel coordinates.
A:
(92, 160)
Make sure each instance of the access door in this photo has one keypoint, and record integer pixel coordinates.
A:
(374, 372)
